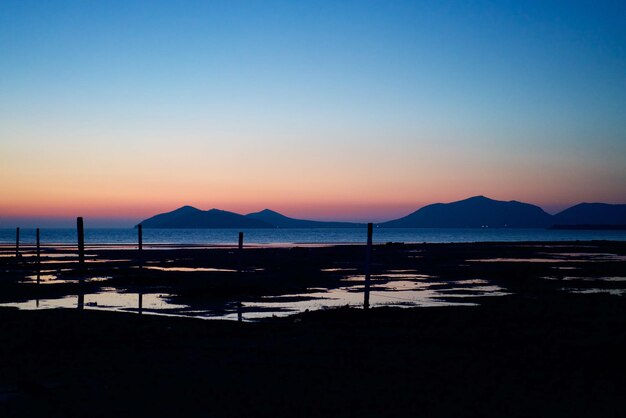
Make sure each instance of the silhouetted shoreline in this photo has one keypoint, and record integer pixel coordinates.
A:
(513, 356)
(211, 280)
(541, 350)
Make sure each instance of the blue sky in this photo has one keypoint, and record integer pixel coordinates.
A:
(343, 110)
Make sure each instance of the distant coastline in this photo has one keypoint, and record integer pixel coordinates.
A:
(303, 237)
(474, 212)
(590, 227)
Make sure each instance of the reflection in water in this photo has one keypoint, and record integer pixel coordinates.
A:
(386, 290)
(395, 287)
(190, 269)
(389, 276)
(397, 293)
(64, 302)
(109, 299)
(591, 256)
(588, 279)
(519, 260)
(50, 279)
(615, 292)
(557, 258)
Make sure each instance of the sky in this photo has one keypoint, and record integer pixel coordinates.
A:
(345, 110)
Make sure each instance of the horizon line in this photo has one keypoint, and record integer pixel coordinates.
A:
(65, 221)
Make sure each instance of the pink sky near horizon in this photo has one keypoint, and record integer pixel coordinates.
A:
(327, 111)
(377, 184)
(363, 176)
(114, 213)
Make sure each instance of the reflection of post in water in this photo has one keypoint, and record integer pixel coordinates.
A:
(140, 275)
(140, 302)
(368, 259)
(81, 262)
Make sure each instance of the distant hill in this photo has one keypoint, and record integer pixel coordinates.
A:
(592, 214)
(190, 217)
(475, 212)
(282, 221)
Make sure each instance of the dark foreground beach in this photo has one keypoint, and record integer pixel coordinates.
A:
(553, 346)
(513, 356)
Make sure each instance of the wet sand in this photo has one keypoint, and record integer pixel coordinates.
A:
(208, 280)
(543, 350)
(512, 356)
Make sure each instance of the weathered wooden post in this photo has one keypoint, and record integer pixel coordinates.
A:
(240, 252)
(38, 249)
(140, 256)
(38, 261)
(240, 268)
(368, 259)
(81, 260)
(17, 242)
(81, 241)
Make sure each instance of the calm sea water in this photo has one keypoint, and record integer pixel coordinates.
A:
(304, 236)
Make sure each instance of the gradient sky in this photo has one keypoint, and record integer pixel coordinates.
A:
(361, 110)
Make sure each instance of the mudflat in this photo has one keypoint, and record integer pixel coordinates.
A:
(512, 356)
(553, 346)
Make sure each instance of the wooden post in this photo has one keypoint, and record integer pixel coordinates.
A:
(81, 260)
(240, 253)
(81, 241)
(17, 242)
(140, 236)
(240, 262)
(140, 248)
(38, 261)
(368, 259)
(38, 249)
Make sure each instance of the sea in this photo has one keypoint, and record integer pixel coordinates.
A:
(303, 236)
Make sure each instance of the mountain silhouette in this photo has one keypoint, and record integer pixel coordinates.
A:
(190, 217)
(592, 214)
(282, 221)
(475, 212)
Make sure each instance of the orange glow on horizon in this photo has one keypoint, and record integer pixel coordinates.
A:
(299, 180)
